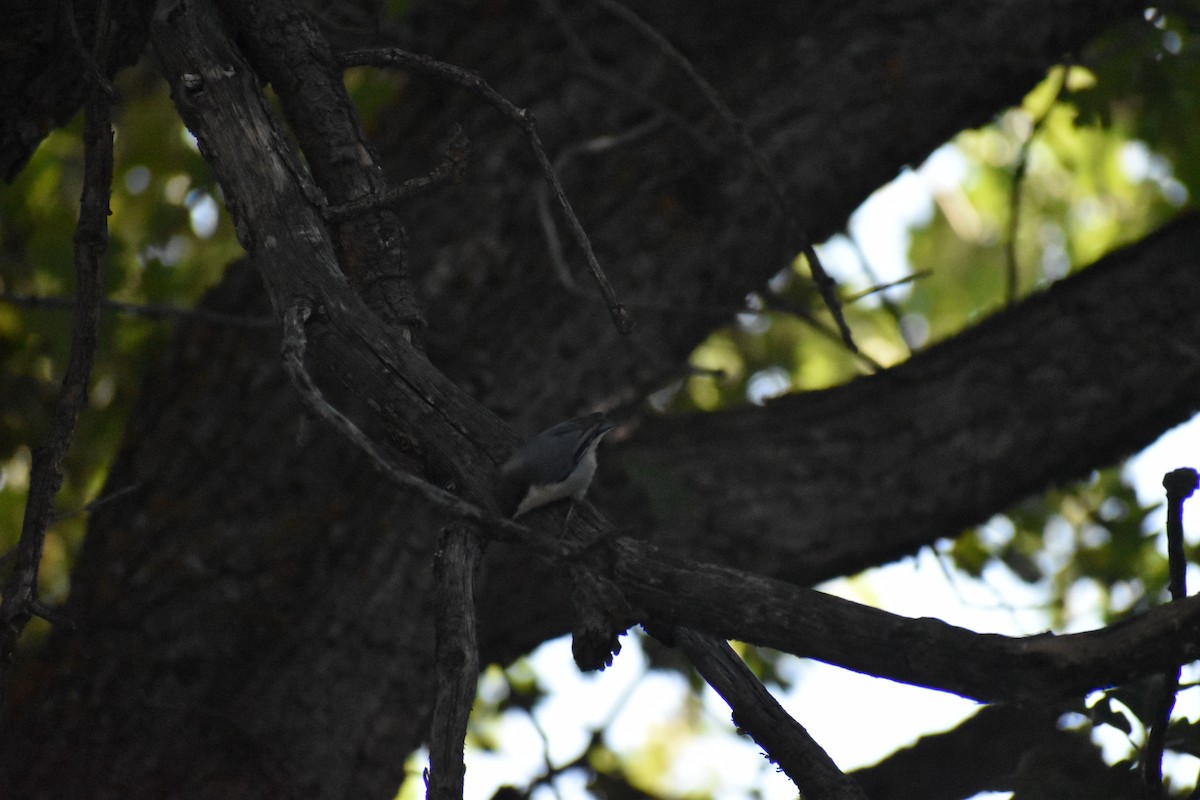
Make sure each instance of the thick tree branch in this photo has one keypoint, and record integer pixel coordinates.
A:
(923, 652)
(1000, 748)
(684, 222)
(47, 77)
(218, 96)
(1067, 381)
(289, 50)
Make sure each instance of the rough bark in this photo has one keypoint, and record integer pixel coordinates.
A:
(256, 619)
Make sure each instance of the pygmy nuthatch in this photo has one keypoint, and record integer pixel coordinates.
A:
(557, 463)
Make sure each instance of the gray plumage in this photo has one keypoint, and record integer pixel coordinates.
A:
(556, 464)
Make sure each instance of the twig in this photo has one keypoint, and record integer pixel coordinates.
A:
(451, 170)
(90, 244)
(549, 771)
(294, 345)
(889, 305)
(523, 119)
(592, 70)
(595, 736)
(883, 287)
(457, 658)
(52, 615)
(147, 310)
(597, 144)
(825, 284)
(91, 56)
(674, 118)
(755, 711)
(1180, 484)
(1012, 274)
(803, 314)
(99, 502)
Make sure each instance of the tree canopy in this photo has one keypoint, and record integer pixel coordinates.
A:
(274, 337)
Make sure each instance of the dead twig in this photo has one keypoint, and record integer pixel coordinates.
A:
(797, 235)
(294, 345)
(523, 119)
(1179, 484)
(144, 310)
(90, 244)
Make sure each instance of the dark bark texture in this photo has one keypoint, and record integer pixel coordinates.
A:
(256, 619)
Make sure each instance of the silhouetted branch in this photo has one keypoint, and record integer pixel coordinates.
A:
(733, 604)
(294, 344)
(825, 284)
(457, 655)
(523, 119)
(145, 310)
(1180, 484)
(759, 714)
(1012, 274)
(451, 170)
(90, 244)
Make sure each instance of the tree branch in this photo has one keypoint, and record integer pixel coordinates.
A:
(457, 656)
(999, 748)
(523, 119)
(294, 343)
(1180, 484)
(1066, 381)
(759, 714)
(450, 170)
(923, 652)
(90, 244)
(797, 238)
(145, 310)
(288, 49)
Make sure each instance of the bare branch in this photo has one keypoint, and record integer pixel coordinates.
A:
(52, 615)
(1180, 484)
(145, 310)
(924, 652)
(825, 284)
(524, 119)
(457, 655)
(1016, 195)
(99, 502)
(598, 144)
(759, 714)
(90, 244)
(294, 344)
(451, 170)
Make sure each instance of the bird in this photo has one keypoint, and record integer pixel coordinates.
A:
(555, 465)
